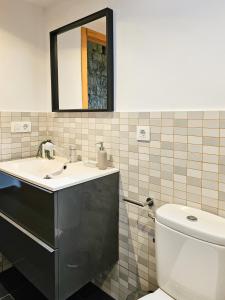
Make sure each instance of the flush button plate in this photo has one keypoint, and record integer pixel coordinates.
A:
(192, 218)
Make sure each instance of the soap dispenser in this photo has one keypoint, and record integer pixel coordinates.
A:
(102, 157)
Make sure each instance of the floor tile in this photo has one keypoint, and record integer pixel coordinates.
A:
(3, 291)
(90, 292)
(11, 280)
(7, 297)
(14, 283)
(28, 292)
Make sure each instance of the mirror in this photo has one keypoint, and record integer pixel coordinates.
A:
(82, 64)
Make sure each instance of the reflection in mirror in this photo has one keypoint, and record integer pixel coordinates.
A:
(82, 64)
(82, 67)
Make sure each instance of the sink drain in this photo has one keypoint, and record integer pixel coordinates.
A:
(47, 177)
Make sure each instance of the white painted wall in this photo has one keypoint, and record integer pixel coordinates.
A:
(69, 69)
(98, 25)
(22, 57)
(169, 55)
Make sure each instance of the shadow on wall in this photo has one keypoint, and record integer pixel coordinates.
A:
(22, 20)
(135, 270)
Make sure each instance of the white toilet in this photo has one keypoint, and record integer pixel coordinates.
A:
(190, 254)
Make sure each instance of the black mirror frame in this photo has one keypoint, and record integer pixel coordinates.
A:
(106, 12)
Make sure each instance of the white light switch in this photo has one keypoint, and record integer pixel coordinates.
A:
(20, 126)
(143, 133)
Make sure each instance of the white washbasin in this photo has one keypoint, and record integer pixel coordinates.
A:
(34, 170)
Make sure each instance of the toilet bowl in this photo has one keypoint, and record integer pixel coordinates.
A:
(190, 254)
(157, 295)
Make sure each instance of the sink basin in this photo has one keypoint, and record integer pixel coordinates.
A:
(34, 170)
(34, 166)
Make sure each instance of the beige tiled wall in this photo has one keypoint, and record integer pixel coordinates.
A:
(183, 163)
(20, 145)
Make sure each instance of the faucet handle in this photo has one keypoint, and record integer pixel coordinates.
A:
(48, 149)
(101, 147)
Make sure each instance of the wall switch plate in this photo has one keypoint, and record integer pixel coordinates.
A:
(143, 133)
(20, 127)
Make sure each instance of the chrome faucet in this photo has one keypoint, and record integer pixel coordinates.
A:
(46, 149)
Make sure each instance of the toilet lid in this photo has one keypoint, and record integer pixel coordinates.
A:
(157, 295)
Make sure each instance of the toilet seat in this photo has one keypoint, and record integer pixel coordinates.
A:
(157, 295)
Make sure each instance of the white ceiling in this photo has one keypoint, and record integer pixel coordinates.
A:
(43, 3)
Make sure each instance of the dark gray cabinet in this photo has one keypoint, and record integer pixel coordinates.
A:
(60, 240)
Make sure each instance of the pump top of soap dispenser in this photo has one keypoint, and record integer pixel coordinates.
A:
(101, 148)
(102, 162)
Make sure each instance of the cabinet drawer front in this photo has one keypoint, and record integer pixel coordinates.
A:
(36, 260)
(29, 206)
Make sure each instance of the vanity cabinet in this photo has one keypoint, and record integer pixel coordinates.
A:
(60, 240)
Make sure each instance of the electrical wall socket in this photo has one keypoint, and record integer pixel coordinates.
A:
(143, 133)
(20, 127)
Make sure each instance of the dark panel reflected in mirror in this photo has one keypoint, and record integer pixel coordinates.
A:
(82, 64)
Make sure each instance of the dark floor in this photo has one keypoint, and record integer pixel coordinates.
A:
(14, 286)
